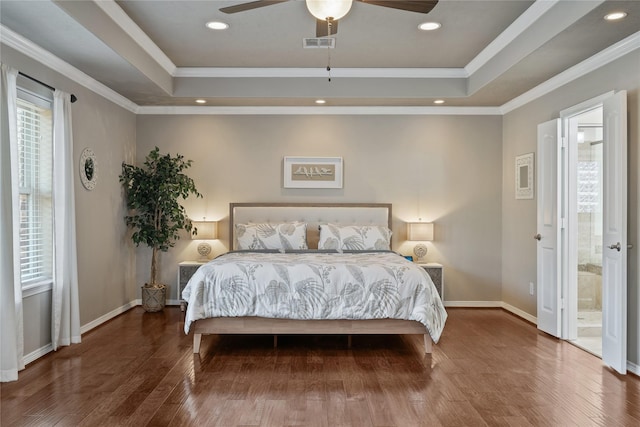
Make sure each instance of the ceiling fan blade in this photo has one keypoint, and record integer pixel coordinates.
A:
(420, 6)
(322, 28)
(251, 5)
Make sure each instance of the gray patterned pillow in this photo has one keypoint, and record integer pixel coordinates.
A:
(288, 235)
(354, 237)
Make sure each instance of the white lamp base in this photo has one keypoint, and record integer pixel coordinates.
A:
(204, 249)
(420, 250)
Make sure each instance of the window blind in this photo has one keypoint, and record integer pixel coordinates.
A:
(35, 155)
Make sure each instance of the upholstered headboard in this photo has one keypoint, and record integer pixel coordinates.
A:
(313, 214)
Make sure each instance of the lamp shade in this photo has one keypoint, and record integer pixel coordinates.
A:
(207, 230)
(420, 231)
(324, 9)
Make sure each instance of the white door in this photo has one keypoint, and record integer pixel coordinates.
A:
(548, 227)
(614, 262)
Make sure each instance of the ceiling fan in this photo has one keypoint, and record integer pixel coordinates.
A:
(327, 12)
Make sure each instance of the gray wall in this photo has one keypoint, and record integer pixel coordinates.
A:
(445, 169)
(106, 259)
(519, 216)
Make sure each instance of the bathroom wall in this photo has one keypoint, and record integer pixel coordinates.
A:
(590, 199)
(590, 218)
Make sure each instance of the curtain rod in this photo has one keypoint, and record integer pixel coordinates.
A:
(51, 88)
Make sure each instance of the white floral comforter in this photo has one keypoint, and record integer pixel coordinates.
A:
(363, 285)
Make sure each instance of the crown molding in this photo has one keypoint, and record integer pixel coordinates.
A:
(600, 59)
(326, 111)
(32, 50)
(388, 73)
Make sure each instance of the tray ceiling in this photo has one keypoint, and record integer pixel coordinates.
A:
(159, 53)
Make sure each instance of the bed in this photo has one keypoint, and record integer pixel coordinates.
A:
(312, 269)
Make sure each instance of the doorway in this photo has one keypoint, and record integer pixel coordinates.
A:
(557, 222)
(586, 209)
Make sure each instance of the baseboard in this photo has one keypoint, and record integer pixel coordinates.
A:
(632, 367)
(167, 302)
(138, 301)
(493, 304)
(36, 354)
(110, 315)
(520, 313)
(473, 304)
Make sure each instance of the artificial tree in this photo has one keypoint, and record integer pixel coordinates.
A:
(152, 194)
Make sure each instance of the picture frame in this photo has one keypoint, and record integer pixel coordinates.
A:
(312, 172)
(524, 176)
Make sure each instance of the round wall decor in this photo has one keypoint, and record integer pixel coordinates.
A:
(88, 169)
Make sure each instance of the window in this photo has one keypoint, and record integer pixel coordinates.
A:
(35, 169)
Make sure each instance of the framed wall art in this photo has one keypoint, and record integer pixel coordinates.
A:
(313, 172)
(524, 176)
(88, 169)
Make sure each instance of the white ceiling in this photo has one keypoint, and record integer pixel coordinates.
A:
(160, 53)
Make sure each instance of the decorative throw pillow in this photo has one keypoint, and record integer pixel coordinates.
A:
(288, 235)
(354, 237)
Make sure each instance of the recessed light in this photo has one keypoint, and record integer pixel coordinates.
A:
(320, 101)
(201, 101)
(429, 26)
(614, 16)
(439, 101)
(217, 25)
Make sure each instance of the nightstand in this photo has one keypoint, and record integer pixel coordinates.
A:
(185, 271)
(435, 272)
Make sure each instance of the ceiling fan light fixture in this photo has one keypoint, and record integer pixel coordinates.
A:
(324, 9)
(217, 25)
(429, 26)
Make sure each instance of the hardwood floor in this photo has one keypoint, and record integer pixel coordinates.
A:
(490, 368)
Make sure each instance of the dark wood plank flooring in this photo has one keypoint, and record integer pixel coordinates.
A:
(490, 368)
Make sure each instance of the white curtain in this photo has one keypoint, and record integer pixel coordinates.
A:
(65, 322)
(11, 336)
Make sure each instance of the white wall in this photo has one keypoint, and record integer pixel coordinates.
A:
(519, 216)
(446, 169)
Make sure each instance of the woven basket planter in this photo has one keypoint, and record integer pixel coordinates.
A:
(154, 298)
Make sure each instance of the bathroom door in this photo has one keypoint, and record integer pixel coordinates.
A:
(550, 252)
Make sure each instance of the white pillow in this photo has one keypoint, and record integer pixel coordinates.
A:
(354, 237)
(288, 235)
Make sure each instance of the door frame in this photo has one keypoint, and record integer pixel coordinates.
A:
(569, 315)
(615, 223)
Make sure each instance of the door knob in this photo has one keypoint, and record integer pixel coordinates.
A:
(538, 237)
(616, 246)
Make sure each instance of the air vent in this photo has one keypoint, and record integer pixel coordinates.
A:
(319, 42)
